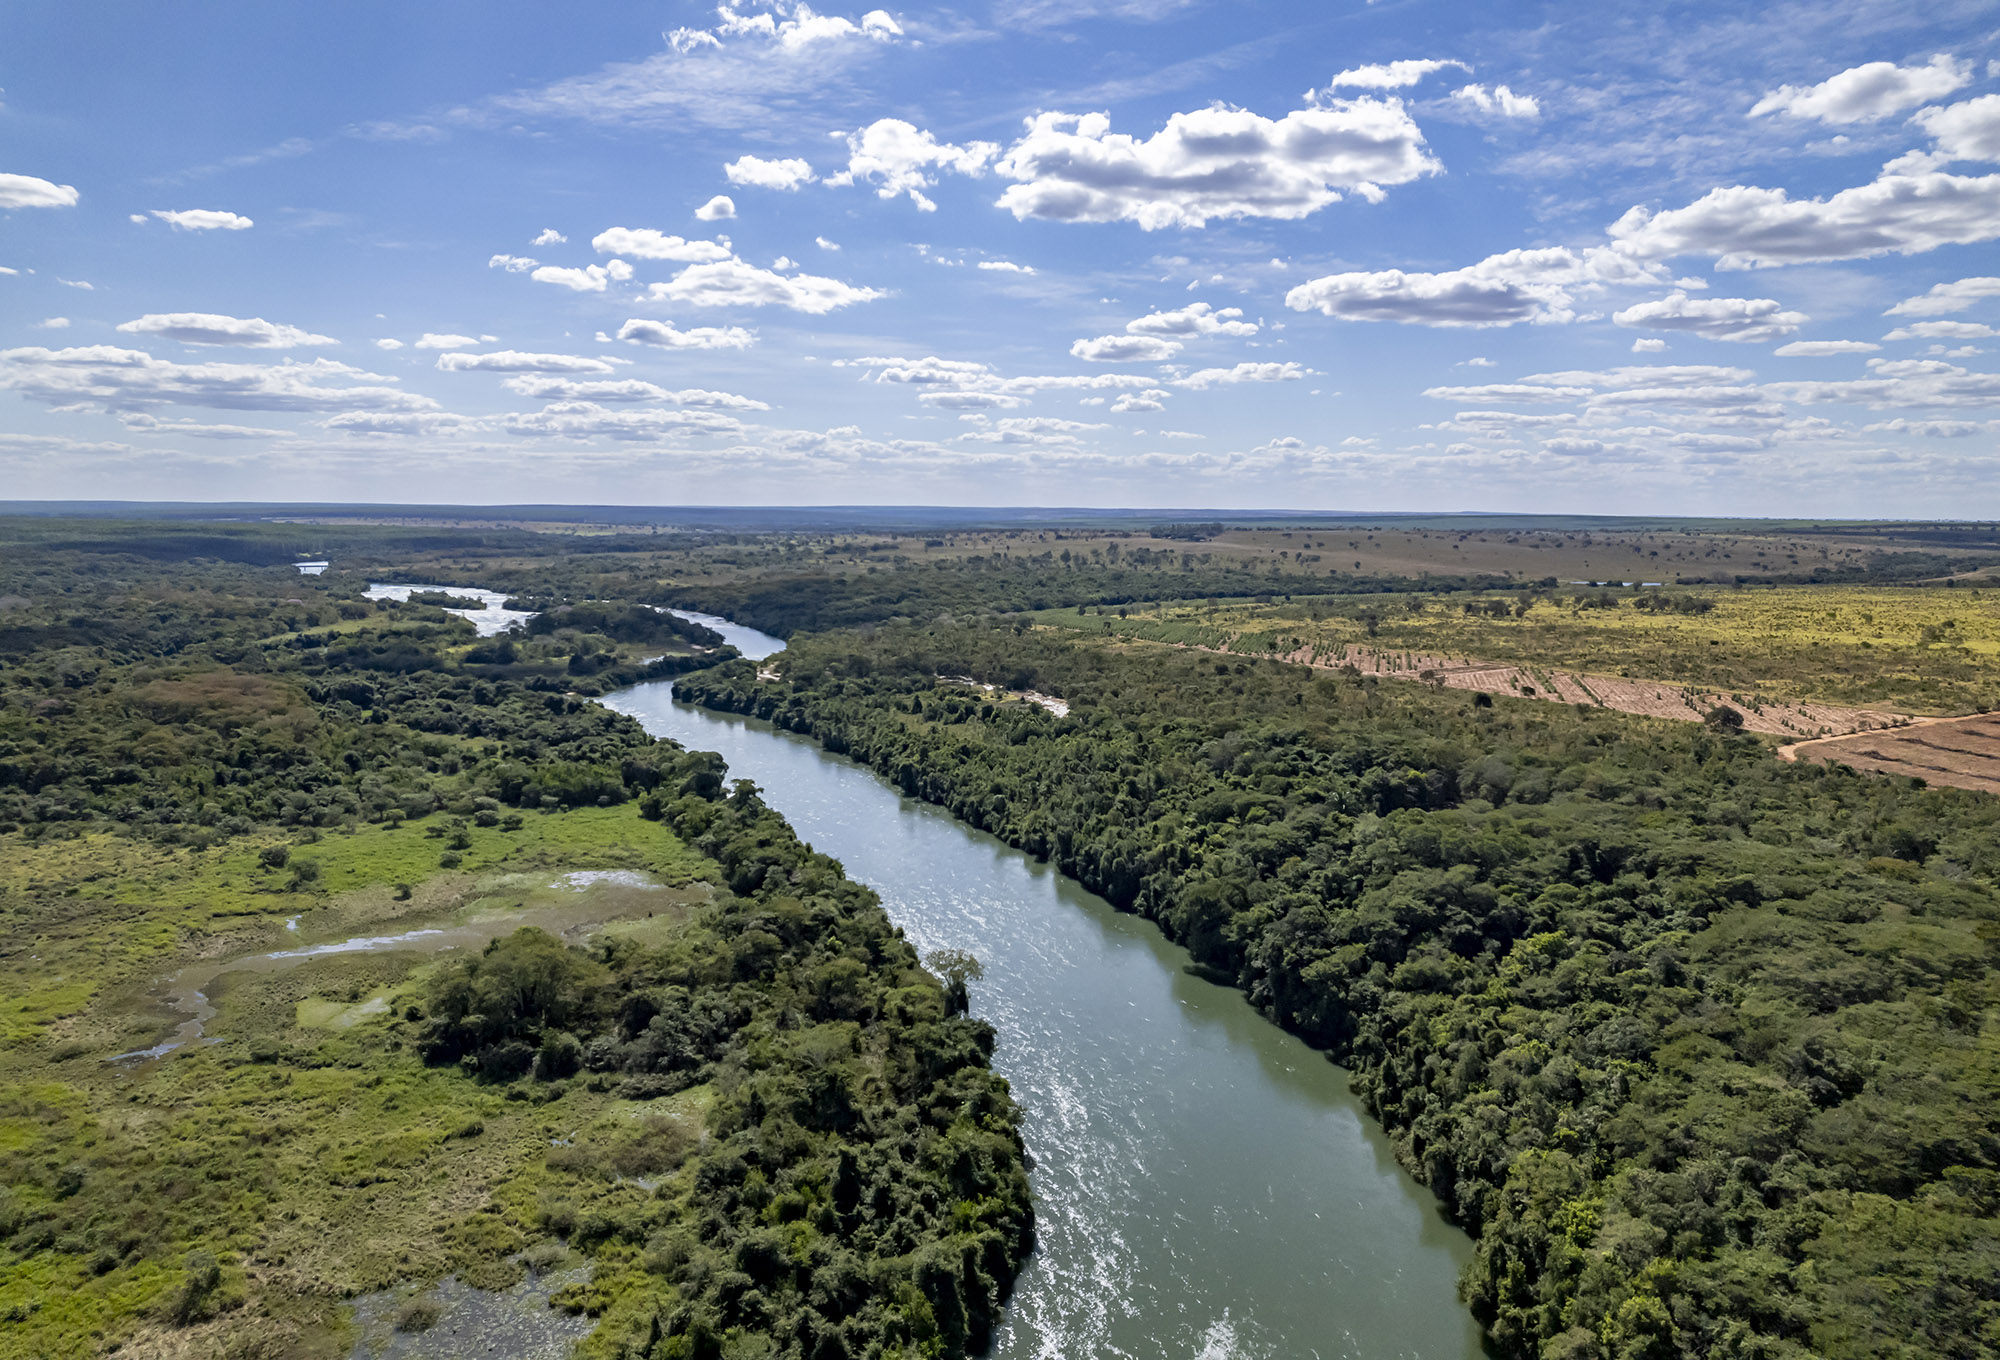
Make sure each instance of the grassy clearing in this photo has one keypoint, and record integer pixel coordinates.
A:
(313, 1153)
(1933, 651)
(103, 914)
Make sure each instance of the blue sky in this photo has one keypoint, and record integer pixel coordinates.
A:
(1396, 256)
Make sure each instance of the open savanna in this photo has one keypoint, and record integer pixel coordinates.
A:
(1889, 649)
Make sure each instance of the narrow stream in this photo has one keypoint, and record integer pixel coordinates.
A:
(1206, 1186)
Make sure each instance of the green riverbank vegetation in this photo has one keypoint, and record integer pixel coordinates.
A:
(1701, 1047)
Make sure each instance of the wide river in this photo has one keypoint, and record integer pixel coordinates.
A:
(1205, 1185)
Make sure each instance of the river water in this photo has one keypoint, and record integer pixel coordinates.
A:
(490, 620)
(1205, 1185)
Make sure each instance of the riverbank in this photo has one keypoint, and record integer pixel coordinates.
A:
(1578, 961)
(1206, 1183)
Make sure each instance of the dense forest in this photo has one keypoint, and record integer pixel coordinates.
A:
(786, 603)
(1698, 1045)
(859, 1190)
(199, 714)
(788, 1138)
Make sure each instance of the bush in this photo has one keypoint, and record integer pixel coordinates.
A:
(418, 1315)
(561, 1055)
(194, 1300)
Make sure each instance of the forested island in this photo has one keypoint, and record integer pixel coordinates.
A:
(1698, 1044)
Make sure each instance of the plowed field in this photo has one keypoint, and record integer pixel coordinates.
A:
(1961, 752)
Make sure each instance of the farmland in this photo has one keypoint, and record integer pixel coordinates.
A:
(1833, 656)
(1963, 752)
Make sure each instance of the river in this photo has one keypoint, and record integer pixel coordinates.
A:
(1205, 1184)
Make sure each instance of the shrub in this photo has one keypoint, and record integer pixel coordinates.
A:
(194, 1299)
(561, 1055)
(418, 1315)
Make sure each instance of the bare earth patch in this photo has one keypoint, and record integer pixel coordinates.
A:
(1646, 698)
(1961, 752)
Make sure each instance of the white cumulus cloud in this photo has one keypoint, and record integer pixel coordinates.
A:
(1197, 318)
(718, 209)
(965, 385)
(1125, 349)
(586, 420)
(645, 243)
(625, 390)
(1006, 267)
(1942, 330)
(1498, 102)
(664, 335)
(1824, 349)
(758, 173)
(548, 388)
(549, 237)
(25, 191)
(127, 379)
(1958, 296)
(1969, 131)
(515, 361)
(209, 328)
(1501, 290)
(1393, 75)
(900, 158)
(1865, 93)
(735, 283)
(1649, 344)
(1902, 212)
(792, 24)
(432, 340)
(204, 219)
(1242, 373)
(592, 278)
(1746, 320)
(1904, 383)
(1932, 429)
(1212, 163)
(513, 264)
